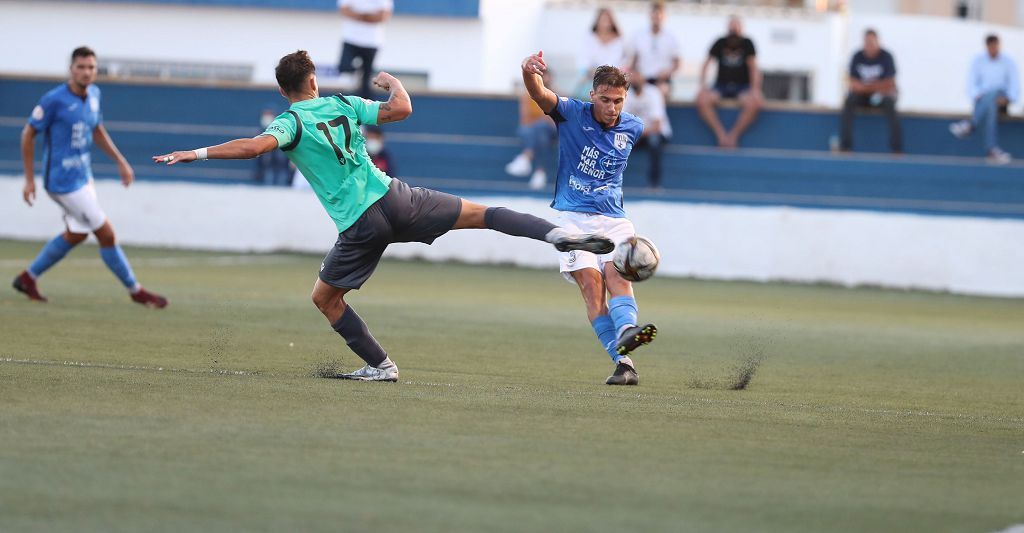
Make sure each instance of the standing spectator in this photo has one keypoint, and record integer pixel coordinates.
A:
(603, 46)
(738, 78)
(537, 132)
(364, 35)
(272, 168)
(656, 52)
(872, 83)
(379, 154)
(993, 83)
(648, 103)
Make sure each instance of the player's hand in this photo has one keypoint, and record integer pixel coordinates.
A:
(127, 174)
(384, 80)
(534, 64)
(29, 192)
(174, 158)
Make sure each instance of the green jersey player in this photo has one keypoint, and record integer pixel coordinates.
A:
(321, 136)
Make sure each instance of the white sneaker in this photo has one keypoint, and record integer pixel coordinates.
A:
(370, 373)
(961, 129)
(520, 166)
(565, 241)
(538, 180)
(998, 157)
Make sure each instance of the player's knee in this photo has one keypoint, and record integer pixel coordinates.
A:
(75, 238)
(328, 303)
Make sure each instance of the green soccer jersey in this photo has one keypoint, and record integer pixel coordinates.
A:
(322, 138)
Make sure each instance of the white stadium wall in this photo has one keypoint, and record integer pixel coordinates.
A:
(851, 248)
(482, 55)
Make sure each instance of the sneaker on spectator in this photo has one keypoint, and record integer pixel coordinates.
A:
(538, 180)
(520, 166)
(998, 157)
(961, 129)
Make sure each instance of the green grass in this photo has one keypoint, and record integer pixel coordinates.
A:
(871, 410)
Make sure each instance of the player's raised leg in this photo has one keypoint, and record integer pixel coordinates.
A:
(509, 222)
(330, 301)
(113, 256)
(623, 310)
(50, 255)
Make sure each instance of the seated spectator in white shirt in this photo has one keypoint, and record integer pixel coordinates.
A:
(602, 46)
(993, 83)
(656, 52)
(647, 102)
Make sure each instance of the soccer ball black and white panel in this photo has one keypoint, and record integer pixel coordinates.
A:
(636, 259)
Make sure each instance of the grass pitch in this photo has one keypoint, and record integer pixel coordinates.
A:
(863, 410)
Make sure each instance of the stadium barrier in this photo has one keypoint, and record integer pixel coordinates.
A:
(961, 254)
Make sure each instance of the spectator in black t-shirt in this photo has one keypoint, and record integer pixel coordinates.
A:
(872, 84)
(738, 78)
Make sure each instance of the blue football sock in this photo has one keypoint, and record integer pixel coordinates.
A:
(605, 330)
(118, 264)
(623, 312)
(52, 252)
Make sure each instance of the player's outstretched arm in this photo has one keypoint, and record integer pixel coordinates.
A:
(28, 151)
(399, 105)
(533, 70)
(236, 149)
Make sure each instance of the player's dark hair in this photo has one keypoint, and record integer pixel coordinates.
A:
(992, 38)
(610, 76)
(602, 11)
(82, 51)
(658, 5)
(293, 70)
(871, 32)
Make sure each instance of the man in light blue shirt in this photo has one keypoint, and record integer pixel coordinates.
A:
(993, 83)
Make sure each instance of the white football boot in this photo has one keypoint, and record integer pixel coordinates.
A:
(388, 371)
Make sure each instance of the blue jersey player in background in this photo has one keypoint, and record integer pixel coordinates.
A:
(594, 142)
(69, 119)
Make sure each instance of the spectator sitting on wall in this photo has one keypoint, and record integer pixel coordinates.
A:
(648, 103)
(537, 133)
(738, 78)
(656, 51)
(872, 83)
(602, 46)
(379, 154)
(992, 84)
(273, 168)
(364, 35)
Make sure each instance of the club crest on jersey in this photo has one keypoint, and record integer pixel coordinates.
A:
(621, 141)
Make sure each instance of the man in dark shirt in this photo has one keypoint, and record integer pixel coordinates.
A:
(738, 78)
(872, 84)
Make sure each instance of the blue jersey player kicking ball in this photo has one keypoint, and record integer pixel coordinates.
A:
(594, 142)
(69, 118)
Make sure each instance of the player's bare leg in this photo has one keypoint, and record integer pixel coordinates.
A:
(593, 288)
(509, 222)
(330, 301)
(623, 309)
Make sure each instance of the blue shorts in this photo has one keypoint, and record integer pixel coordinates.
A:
(731, 90)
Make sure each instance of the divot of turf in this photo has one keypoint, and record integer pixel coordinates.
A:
(326, 369)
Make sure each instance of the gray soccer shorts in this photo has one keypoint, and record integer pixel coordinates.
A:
(404, 214)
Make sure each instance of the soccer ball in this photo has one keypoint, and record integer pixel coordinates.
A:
(636, 259)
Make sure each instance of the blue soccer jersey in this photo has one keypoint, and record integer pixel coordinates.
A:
(66, 121)
(591, 158)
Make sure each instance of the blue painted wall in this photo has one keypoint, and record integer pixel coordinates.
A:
(461, 144)
(438, 8)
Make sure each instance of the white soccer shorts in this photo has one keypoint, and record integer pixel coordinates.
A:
(82, 211)
(616, 229)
